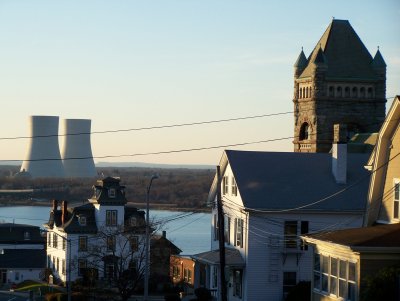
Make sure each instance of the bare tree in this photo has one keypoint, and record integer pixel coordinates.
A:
(115, 258)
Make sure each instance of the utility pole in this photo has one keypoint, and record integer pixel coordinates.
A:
(221, 235)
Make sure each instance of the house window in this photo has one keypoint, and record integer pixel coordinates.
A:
(227, 231)
(49, 239)
(111, 192)
(215, 277)
(176, 272)
(216, 229)
(347, 92)
(58, 264)
(82, 220)
(304, 230)
(354, 92)
(81, 266)
(334, 276)
(111, 217)
(187, 275)
(339, 92)
(82, 243)
(237, 283)
(234, 187)
(225, 185)
(134, 241)
(111, 243)
(64, 244)
(55, 239)
(27, 235)
(239, 232)
(290, 234)
(63, 266)
(289, 281)
(396, 201)
(110, 271)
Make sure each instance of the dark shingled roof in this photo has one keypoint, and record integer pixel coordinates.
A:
(15, 233)
(232, 257)
(374, 236)
(23, 259)
(345, 54)
(278, 181)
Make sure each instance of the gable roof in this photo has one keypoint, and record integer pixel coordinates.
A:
(232, 257)
(344, 53)
(284, 180)
(379, 236)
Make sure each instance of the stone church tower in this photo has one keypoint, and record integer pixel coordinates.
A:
(339, 83)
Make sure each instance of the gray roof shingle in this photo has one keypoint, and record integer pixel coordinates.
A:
(279, 181)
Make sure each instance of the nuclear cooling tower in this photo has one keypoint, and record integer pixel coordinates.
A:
(43, 158)
(76, 149)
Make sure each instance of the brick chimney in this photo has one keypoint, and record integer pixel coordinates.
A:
(55, 204)
(64, 212)
(339, 153)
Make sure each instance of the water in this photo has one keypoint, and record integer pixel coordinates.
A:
(191, 232)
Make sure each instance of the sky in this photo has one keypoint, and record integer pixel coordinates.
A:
(134, 64)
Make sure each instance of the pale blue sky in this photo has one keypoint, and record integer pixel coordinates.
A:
(128, 64)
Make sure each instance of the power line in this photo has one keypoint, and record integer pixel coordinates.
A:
(172, 125)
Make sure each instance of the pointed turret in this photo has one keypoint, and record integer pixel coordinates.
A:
(300, 64)
(320, 58)
(378, 62)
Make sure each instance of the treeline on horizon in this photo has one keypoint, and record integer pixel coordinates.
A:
(175, 188)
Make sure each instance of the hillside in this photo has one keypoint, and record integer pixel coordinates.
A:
(176, 188)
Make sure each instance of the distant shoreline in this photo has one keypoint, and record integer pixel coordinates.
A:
(168, 207)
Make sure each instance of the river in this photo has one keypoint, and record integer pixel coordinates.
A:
(191, 232)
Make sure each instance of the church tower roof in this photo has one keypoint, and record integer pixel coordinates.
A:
(345, 53)
(378, 61)
(301, 61)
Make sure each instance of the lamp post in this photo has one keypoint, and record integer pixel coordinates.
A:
(147, 254)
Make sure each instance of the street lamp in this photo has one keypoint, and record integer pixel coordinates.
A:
(147, 268)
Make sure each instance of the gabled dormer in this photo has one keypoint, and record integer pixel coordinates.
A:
(108, 191)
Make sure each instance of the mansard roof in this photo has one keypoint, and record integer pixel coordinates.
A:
(345, 53)
(102, 191)
(15, 233)
(23, 259)
(278, 181)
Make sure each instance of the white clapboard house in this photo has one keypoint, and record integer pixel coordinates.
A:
(269, 199)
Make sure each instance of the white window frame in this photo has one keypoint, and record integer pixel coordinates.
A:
(239, 227)
(396, 199)
(234, 189)
(225, 185)
(111, 217)
(337, 276)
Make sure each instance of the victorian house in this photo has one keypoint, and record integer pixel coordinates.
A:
(101, 236)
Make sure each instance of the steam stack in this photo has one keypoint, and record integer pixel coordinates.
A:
(43, 158)
(76, 149)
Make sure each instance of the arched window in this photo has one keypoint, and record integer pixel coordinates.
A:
(339, 92)
(306, 92)
(347, 92)
(331, 91)
(300, 93)
(362, 92)
(354, 92)
(304, 131)
(370, 92)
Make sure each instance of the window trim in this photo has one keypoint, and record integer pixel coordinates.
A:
(82, 243)
(396, 198)
(111, 218)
